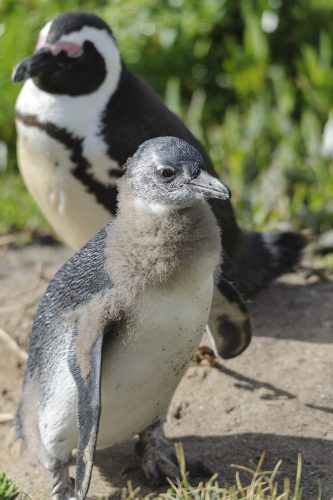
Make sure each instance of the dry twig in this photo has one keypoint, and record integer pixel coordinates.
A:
(6, 417)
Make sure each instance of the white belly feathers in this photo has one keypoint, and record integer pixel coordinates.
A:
(141, 367)
(142, 370)
(45, 162)
(45, 166)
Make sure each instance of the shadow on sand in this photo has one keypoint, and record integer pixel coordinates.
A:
(298, 312)
(119, 464)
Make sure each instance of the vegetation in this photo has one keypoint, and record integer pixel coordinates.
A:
(258, 485)
(8, 490)
(251, 483)
(252, 79)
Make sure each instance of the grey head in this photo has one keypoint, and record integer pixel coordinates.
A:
(75, 52)
(169, 172)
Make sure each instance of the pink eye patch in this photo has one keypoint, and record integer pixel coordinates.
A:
(70, 48)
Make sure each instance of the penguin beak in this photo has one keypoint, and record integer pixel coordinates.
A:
(210, 187)
(35, 65)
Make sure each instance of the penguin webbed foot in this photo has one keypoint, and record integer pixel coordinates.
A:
(205, 353)
(159, 460)
(62, 484)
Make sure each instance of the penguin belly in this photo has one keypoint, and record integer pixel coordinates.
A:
(143, 366)
(45, 165)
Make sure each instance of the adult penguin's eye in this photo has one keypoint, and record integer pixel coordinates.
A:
(167, 173)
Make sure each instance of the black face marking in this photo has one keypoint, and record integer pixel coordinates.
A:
(74, 21)
(73, 76)
(104, 195)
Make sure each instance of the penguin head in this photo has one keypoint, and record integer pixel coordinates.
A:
(167, 172)
(75, 54)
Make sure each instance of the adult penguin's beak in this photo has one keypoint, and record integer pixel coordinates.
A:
(210, 187)
(35, 65)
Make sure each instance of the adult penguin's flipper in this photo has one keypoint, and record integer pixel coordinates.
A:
(88, 382)
(229, 322)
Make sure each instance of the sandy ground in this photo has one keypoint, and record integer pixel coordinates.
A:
(277, 397)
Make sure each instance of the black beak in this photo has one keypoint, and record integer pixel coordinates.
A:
(210, 187)
(35, 65)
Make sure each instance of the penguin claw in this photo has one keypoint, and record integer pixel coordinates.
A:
(159, 463)
(205, 353)
(67, 494)
(157, 466)
(63, 485)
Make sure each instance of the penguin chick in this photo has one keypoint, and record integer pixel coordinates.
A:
(122, 319)
(81, 114)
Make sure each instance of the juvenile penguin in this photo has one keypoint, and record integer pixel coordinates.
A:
(81, 114)
(120, 321)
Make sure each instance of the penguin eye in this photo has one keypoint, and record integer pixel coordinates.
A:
(167, 173)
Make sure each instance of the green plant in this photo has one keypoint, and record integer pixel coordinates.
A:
(259, 485)
(8, 490)
(252, 79)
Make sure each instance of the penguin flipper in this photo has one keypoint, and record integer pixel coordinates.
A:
(89, 409)
(229, 322)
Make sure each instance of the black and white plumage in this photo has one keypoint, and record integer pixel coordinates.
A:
(121, 320)
(81, 114)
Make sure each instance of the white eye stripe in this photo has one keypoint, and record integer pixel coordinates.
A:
(80, 113)
(44, 31)
(41, 42)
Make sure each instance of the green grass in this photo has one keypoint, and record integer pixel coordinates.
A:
(17, 208)
(257, 100)
(8, 489)
(259, 485)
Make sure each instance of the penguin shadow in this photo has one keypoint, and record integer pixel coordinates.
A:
(272, 392)
(118, 465)
(294, 311)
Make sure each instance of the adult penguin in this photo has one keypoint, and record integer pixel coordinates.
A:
(81, 114)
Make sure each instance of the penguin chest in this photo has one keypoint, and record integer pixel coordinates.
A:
(143, 367)
(65, 190)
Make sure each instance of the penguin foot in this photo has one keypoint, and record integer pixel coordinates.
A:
(159, 461)
(62, 484)
(205, 353)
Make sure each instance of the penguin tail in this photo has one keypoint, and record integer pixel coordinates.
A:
(285, 251)
(262, 258)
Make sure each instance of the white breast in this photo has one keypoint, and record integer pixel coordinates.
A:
(46, 166)
(142, 370)
(141, 367)
(45, 163)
